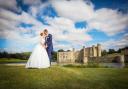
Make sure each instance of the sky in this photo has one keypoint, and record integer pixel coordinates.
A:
(72, 23)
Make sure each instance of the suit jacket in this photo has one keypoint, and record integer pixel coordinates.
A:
(48, 41)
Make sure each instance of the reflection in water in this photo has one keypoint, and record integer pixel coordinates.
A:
(114, 65)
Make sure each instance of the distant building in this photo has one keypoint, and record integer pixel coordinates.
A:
(79, 56)
(125, 53)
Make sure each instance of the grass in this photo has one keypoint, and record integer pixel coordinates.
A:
(89, 65)
(59, 77)
(11, 60)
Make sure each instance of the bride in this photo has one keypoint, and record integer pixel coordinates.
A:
(39, 57)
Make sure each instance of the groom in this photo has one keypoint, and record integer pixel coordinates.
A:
(48, 44)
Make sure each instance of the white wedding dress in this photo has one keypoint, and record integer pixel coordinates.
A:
(39, 57)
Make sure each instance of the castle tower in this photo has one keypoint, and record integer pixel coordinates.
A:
(83, 51)
(85, 58)
(73, 55)
(91, 52)
(98, 50)
(94, 51)
(73, 49)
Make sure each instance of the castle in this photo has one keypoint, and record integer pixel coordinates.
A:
(81, 56)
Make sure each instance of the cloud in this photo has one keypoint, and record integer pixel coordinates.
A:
(116, 44)
(34, 10)
(10, 30)
(9, 4)
(10, 21)
(23, 17)
(61, 28)
(65, 34)
(109, 21)
(76, 10)
(64, 30)
(32, 2)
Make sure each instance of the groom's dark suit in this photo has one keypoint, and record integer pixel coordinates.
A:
(48, 42)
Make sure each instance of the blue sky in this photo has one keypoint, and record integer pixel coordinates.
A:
(73, 23)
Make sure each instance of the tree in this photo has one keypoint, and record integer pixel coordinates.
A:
(111, 51)
(119, 50)
(4, 54)
(104, 52)
(54, 55)
(68, 50)
(60, 50)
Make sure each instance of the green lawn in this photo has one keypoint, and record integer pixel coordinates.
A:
(58, 77)
(11, 60)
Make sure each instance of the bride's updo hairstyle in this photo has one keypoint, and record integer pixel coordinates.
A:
(41, 34)
(45, 30)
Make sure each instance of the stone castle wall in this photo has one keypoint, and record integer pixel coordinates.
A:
(79, 56)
